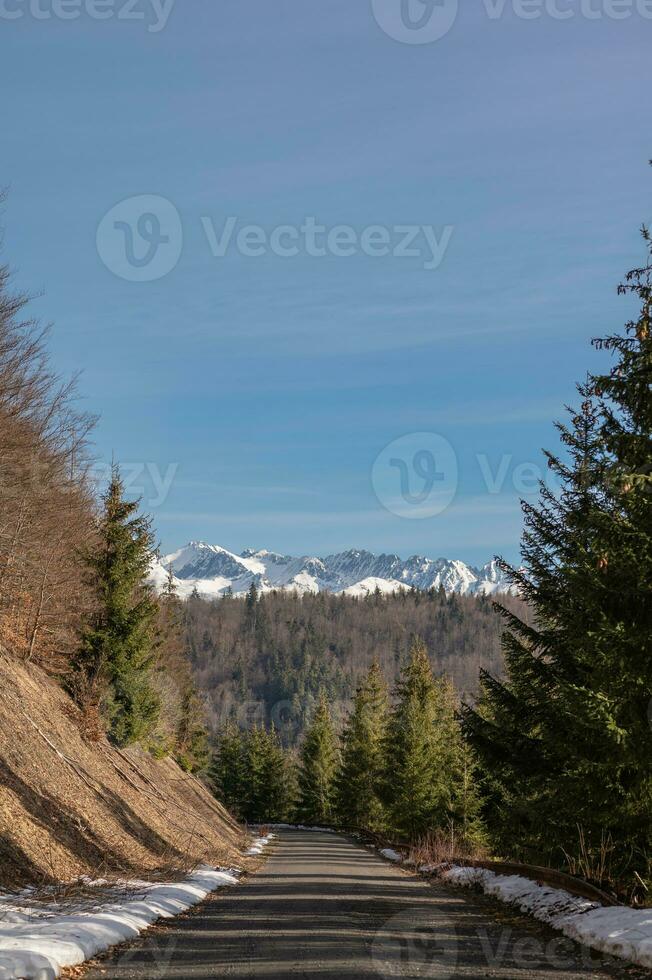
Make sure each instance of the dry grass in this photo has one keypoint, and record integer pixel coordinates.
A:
(72, 808)
(445, 847)
(594, 865)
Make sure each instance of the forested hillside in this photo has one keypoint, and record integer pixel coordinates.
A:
(74, 598)
(98, 704)
(46, 504)
(265, 659)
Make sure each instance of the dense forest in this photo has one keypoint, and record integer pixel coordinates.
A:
(266, 659)
(399, 765)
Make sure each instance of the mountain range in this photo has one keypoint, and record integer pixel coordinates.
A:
(213, 571)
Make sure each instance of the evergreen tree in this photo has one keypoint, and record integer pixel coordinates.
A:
(526, 728)
(410, 788)
(252, 598)
(562, 739)
(461, 801)
(319, 761)
(227, 771)
(192, 750)
(430, 780)
(117, 653)
(253, 776)
(616, 696)
(251, 607)
(358, 779)
(171, 667)
(268, 778)
(181, 729)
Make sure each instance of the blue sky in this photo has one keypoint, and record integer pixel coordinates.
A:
(263, 388)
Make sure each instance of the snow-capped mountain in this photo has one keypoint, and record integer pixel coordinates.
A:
(213, 570)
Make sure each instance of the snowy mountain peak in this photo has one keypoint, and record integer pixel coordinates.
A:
(271, 555)
(213, 570)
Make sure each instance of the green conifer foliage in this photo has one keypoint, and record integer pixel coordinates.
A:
(565, 741)
(253, 776)
(268, 777)
(192, 749)
(412, 781)
(116, 654)
(430, 780)
(318, 768)
(360, 773)
(227, 770)
(460, 801)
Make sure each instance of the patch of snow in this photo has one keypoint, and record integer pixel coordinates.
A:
(617, 930)
(210, 588)
(259, 844)
(367, 586)
(39, 939)
(303, 582)
(300, 826)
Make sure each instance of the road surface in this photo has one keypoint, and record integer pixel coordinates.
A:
(323, 907)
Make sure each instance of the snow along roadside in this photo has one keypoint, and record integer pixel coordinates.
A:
(300, 826)
(38, 939)
(617, 930)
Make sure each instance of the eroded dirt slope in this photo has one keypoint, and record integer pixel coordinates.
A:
(70, 808)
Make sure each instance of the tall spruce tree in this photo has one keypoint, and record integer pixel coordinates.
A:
(621, 678)
(253, 775)
(411, 784)
(528, 728)
(227, 771)
(191, 748)
(181, 729)
(461, 801)
(565, 740)
(268, 777)
(430, 774)
(358, 779)
(318, 768)
(117, 655)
